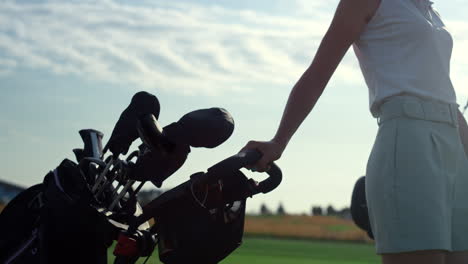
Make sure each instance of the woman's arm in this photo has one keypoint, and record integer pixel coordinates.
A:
(349, 21)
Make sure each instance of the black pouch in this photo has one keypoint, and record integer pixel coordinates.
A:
(201, 226)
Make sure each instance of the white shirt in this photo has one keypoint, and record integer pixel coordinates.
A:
(406, 48)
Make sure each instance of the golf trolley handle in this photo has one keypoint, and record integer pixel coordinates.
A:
(225, 168)
(241, 160)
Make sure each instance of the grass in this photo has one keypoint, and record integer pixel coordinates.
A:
(339, 228)
(280, 251)
(272, 251)
(305, 227)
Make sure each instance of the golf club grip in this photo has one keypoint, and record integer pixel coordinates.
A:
(151, 133)
(241, 160)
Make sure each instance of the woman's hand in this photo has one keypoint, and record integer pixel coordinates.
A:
(271, 151)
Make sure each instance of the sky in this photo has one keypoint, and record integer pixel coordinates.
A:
(71, 65)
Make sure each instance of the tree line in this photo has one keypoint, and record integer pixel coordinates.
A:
(315, 211)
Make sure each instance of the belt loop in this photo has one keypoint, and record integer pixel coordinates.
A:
(424, 106)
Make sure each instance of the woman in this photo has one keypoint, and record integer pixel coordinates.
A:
(417, 186)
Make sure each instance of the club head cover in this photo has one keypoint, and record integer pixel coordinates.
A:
(157, 166)
(207, 128)
(359, 212)
(125, 131)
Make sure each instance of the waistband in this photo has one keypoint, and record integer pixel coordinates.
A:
(418, 108)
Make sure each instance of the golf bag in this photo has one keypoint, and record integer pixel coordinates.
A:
(81, 207)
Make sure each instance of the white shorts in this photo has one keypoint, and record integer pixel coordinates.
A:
(417, 178)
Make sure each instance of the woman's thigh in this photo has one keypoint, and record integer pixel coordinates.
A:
(408, 189)
(457, 257)
(426, 257)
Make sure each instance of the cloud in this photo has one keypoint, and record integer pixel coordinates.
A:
(186, 48)
(7, 66)
(182, 47)
(315, 9)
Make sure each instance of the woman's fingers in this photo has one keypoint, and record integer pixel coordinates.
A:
(250, 145)
(263, 164)
(270, 152)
